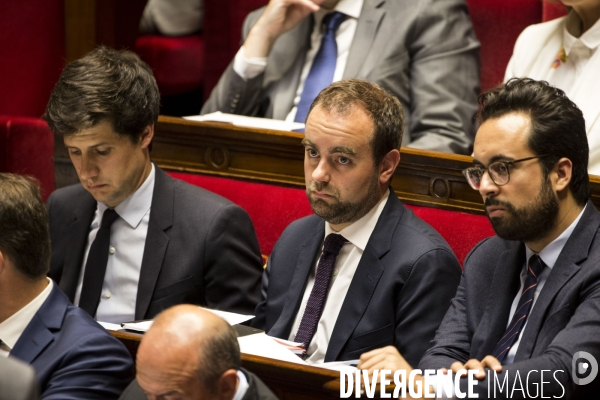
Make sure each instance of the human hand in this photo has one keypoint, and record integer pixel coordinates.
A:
(384, 358)
(488, 362)
(279, 17)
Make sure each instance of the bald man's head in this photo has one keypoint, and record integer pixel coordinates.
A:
(189, 352)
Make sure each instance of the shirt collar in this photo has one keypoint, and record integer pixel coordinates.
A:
(134, 207)
(359, 232)
(590, 39)
(12, 328)
(351, 8)
(550, 253)
(243, 386)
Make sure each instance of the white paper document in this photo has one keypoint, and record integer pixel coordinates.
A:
(110, 326)
(250, 122)
(264, 346)
(229, 317)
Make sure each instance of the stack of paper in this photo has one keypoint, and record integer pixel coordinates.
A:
(294, 347)
(265, 346)
(229, 317)
(250, 122)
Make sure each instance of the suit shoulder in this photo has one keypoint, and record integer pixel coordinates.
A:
(417, 232)
(187, 193)
(68, 195)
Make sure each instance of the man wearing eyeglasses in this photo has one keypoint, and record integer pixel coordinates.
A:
(529, 298)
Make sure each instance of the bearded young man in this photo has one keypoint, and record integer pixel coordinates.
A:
(529, 298)
(394, 276)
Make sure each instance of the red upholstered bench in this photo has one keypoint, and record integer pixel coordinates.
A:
(177, 62)
(26, 147)
(272, 208)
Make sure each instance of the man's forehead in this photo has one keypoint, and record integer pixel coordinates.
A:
(505, 136)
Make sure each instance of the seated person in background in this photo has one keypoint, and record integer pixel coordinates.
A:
(424, 52)
(565, 53)
(172, 17)
(528, 300)
(190, 353)
(17, 380)
(130, 241)
(364, 272)
(73, 357)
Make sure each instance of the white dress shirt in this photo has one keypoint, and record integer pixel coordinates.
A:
(127, 241)
(248, 68)
(243, 386)
(578, 50)
(549, 255)
(358, 235)
(12, 328)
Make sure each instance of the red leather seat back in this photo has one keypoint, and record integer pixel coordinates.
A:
(272, 208)
(497, 24)
(553, 9)
(26, 147)
(177, 62)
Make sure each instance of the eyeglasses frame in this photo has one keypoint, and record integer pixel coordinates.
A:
(507, 164)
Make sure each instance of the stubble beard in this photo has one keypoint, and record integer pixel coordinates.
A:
(527, 224)
(338, 211)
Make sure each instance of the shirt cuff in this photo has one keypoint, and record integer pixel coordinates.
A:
(248, 68)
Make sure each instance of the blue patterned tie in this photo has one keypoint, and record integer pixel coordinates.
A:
(323, 66)
(534, 269)
(314, 307)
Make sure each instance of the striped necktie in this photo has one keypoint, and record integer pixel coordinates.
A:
(534, 269)
(316, 301)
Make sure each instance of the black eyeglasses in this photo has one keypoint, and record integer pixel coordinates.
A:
(499, 171)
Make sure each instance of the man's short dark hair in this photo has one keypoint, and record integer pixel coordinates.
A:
(220, 352)
(24, 226)
(106, 84)
(384, 109)
(557, 125)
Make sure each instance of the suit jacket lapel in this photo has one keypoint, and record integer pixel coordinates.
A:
(365, 280)
(161, 218)
(366, 29)
(575, 251)
(503, 290)
(75, 245)
(38, 334)
(296, 42)
(304, 264)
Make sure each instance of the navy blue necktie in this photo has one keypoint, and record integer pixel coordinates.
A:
(323, 66)
(316, 301)
(534, 269)
(95, 266)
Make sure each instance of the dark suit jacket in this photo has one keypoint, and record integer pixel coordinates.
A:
(423, 51)
(73, 357)
(200, 248)
(257, 390)
(565, 318)
(399, 294)
(17, 380)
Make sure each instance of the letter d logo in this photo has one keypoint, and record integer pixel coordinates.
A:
(582, 367)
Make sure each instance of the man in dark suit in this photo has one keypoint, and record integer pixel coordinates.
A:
(394, 276)
(17, 380)
(130, 241)
(424, 52)
(193, 354)
(526, 311)
(73, 356)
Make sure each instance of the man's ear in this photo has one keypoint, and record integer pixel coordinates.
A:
(227, 384)
(2, 262)
(146, 136)
(562, 174)
(388, 166)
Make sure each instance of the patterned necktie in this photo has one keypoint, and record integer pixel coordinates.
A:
(95, 266)
(323, 66)
(534, 269)
(316, 300)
